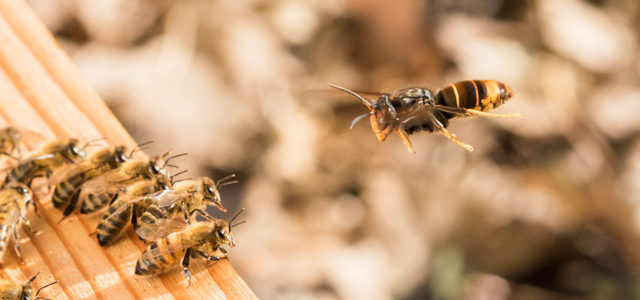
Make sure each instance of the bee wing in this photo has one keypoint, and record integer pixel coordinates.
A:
(112, 181)
(170, 198)
(28, 160)
(152, 253)
(29, 136)
(67, 171)
(163, 198)
(160, 229)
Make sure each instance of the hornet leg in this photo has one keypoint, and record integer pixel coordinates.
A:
(451, 136)
(492, 115)
(405, 138)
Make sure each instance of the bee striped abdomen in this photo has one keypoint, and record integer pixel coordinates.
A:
(21, 173)
(112, 225)
(152, 214)
(64, 190)
(481, 95)
(95, 202)
(150, 264)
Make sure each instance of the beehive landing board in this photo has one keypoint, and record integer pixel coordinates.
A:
(41, 90)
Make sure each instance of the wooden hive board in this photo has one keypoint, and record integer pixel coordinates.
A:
(41, 90)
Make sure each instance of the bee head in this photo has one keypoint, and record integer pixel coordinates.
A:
(228, 226)
(75, 151)
(120, 154)
(158, 163)
(211, 193)
(27, 290)
(163, 182)
(21, 188)
(13, 135)
(222, 233)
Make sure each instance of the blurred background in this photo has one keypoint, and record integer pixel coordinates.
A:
(545, 208)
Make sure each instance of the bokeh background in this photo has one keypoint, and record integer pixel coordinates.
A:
(545, 208)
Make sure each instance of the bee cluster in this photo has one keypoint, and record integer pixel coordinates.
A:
(126, 188)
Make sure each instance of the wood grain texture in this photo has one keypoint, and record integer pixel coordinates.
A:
(41, 90)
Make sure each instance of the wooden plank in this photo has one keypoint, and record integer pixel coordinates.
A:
(44, 47)
(41, 90)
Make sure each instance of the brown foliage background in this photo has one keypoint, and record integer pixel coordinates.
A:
(545, 208)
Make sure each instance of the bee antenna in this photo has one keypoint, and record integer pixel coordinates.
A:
(346, 90)
(225, 181)
(175, 156)
(358, 119)
(140, 146)
(236, 224)
(40, 289)
(178, 174)
(234, 217)
(33, 277)
(91, 143)
(9, 155)
(184, 179)
(172, 166)
(97, 139)
(219, 185)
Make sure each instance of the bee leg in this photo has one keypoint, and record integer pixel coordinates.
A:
(201, 212)
(26, 223)
(185, 266)
(207, 256)
(73, 202)
(16, 245)
(134, 218)
(492, 115)
(185, 214)
(405, 138)
(35, 207)
(113, 198)
(453, 138)
(7, 154)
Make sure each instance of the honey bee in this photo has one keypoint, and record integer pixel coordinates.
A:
(120, 211)
(187, 239)
(67, 181)
(15, 198)
(414, 109)
(99, 191)
(12, 291)
(163, 203)
(49, 158)
(9, 141)
(11, 138)
(192, 195)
